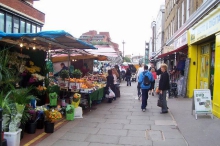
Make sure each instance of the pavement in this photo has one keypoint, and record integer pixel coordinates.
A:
(122, 123)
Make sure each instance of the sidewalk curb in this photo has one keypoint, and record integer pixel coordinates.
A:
(178, 127)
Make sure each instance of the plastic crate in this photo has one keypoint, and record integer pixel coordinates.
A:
(13, 138)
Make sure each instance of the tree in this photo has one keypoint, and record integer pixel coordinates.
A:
(126, 59)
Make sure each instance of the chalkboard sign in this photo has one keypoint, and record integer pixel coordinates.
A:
(202, 103)
(186, 71)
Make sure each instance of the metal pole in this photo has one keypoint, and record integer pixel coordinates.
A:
(123, 51)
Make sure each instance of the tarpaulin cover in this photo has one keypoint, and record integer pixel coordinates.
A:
(57, 39)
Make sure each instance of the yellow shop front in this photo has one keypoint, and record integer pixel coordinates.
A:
(204, 51)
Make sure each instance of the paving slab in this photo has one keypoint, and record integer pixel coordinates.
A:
(115, 117)
(154, 135)
(172, 134)
(74, 136)
(86, 130)
(113, 132)
(87, 124)
(170, 142)
(136, 141)
(118, 121)
(140, 113)
(69, 143)
(99, 120)
(110, 126)
(164, 128)
(142, 122)
(136, 127)
(118, 110)
(103, 139)
(161, 117)
(136, 133)
(101, 144)
(144, 117)
(122, 113)
(165, 122)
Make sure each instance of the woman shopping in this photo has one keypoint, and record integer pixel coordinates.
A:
(164, 85)
(110, 83)
(151, 91)
(128, 77)
(115, 75)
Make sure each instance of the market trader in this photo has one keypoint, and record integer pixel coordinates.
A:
(63, 67)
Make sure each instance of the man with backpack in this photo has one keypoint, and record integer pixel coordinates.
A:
(145, 80)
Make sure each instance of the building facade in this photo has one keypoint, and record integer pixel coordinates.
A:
(19, 16)
(192, 28)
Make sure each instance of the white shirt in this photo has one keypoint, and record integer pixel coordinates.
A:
(140, 70)
(115, 79)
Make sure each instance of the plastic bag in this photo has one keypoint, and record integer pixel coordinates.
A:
(111, 93)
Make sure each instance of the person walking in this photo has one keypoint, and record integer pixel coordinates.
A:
(164, 85)
(153, 83)
(140, 70)
(144, 81)
(110, 83)
(128, 76)
(115, 75)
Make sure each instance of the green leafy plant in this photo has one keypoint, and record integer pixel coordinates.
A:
(64, 74)
(77, 73)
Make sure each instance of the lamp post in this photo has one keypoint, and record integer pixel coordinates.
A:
(123, 51)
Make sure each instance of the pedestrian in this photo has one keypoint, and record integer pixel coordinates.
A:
(164, 86)
(110, 83)
(153, 83)
(128, 76)
(140, 70)
(115, 75)
(145, 76)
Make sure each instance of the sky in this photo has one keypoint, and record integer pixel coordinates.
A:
(128, 20)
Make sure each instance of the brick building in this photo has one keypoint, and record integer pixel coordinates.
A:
(19, 16)
(101, 38)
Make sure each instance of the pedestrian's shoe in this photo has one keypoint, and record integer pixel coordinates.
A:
(153, 94)
(143, 110)
(163, 112)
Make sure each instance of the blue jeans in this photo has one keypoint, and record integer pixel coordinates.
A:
(144, 98)
(128, 79)
(164, 101)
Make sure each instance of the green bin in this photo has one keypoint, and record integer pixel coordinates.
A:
(70, 115)
(53, 99)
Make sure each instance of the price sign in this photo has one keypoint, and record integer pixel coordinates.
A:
(202, 102)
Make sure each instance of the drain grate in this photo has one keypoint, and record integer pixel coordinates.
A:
(154, 135)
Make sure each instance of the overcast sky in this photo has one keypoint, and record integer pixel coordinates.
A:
(127, 20)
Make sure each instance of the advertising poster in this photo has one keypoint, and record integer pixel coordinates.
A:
(202, 99)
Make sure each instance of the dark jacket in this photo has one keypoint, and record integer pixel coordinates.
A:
(110, 81)
(128, 73)
(58, 73)
(164, 83)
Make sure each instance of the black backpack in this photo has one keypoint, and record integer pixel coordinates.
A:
(146, 80)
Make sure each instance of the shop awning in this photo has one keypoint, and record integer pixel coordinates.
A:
(45, 40)
(104, 50)
(171, 52)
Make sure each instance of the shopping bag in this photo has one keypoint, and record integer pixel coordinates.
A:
(160, 101)
(111, 93)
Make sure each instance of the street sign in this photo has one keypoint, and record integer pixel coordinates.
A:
(202, 103)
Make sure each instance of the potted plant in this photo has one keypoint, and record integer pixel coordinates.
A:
(70, 112)
(77, 73)
(76, 100)
(51, 117)
(64, 74)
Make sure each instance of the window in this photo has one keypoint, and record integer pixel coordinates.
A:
(28, 28)
(16, 25)
(2, 21)
(183, 13)
(8, 24)
(187, 9)
(33, 28)
(22, 26)
(38, 29)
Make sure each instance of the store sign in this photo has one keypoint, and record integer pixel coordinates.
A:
(202, 101)
(181, 41)
(207, 26)
(167, 49)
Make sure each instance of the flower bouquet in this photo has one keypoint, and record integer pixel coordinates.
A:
(76, 100)
(52, 115)
(41, 90)
(70, 112)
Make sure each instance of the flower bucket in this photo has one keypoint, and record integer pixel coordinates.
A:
(70, 116)
(31, 127)
(13, 138)
(53, 99)
(76, 104)
(48, 127)
(40, 123)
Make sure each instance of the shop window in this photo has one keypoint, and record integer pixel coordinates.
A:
(33, 28)
(28, 28)
(2, 21)
(38, 29)
(22, 26)
(16, 25)
(205, 49)
(8, 24)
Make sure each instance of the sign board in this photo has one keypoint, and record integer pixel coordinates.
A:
(181, 41)
(167, 49)
(209, 25)
(202, 103)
